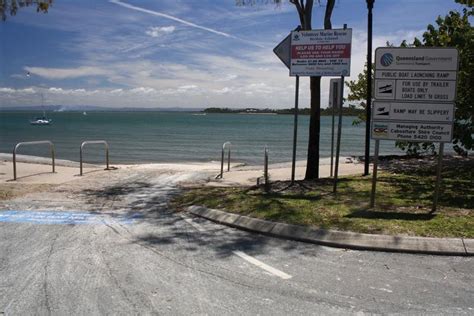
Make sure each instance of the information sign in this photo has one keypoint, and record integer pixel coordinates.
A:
(321, 52)
(412, 131)
(414, 87)
(422, 112)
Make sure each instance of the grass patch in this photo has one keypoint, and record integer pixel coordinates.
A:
(403, 203)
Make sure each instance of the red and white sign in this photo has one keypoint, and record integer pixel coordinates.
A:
(321, 53)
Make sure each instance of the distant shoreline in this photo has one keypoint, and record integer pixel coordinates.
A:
(346, 111)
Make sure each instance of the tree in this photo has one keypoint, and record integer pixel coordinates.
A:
(358, 93)
(454, 30)
(11, 6)
(304, 9)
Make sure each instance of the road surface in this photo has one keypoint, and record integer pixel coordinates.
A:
(110, 245)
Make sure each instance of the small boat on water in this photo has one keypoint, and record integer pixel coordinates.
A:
(41, 121)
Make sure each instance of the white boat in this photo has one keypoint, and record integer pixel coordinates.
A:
(41, 121)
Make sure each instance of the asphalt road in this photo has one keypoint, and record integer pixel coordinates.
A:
(133, 255)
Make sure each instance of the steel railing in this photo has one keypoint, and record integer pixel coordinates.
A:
(95, 142)
(224, 146)
(51, 145)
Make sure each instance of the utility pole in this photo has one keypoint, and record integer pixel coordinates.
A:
(370, 5)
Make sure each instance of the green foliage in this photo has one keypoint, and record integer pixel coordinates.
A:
(416, 149)
(11, 6)
(455, 30)
(358, 93)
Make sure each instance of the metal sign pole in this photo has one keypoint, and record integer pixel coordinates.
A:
(339, 128)
(368, 107)
(334, 104)
(295, 131)
(374, 174)
(438, 177)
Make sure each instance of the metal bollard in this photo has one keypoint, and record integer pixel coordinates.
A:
(229, 144)
(94, 142)
(51, 145)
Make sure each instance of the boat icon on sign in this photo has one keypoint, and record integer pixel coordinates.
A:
(382, 111)
(387, 89)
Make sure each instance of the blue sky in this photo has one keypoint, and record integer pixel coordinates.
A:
(178, 53)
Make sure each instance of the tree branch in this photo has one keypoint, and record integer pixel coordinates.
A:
(327, 15)
(300, 11)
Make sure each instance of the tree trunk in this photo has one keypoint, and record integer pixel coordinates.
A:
(312, 164)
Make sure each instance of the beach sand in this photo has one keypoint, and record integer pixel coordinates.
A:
(36, 182)
(38, 170)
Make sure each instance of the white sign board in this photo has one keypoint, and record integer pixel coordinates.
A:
(413, 59)
(412, 131)
(334, 93)
(321, 53)
(421, 112)
(415, 90)
(414, 87)
(282, 50)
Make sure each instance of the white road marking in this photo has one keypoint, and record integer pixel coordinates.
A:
(381, 289)
(262, 265)
(243, 255)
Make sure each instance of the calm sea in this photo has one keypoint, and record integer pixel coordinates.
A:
(136, 137)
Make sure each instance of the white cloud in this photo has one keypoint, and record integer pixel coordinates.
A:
(28, 90)
(65, 73)
(156, 31)
(56, 90)
(7, 90)
(167, 16)
(143, 90)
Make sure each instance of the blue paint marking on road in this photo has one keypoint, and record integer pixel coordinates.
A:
(65, 217)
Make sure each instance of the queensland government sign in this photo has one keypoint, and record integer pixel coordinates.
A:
(321, 53)
(415, 90)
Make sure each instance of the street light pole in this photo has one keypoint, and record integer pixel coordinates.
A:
(370, 5)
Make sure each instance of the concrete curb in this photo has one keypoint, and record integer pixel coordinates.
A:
(333, 238)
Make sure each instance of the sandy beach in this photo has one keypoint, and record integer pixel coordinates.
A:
(38, 170)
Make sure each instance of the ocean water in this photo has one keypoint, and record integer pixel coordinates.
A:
(137, 137)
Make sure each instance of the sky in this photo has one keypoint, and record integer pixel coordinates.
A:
(179, 53)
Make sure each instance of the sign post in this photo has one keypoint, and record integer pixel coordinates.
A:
(339, 130)
(315, 53)
(334, 101)
(295, 129)
(283, 51)
(415, 90)
(323, 53)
